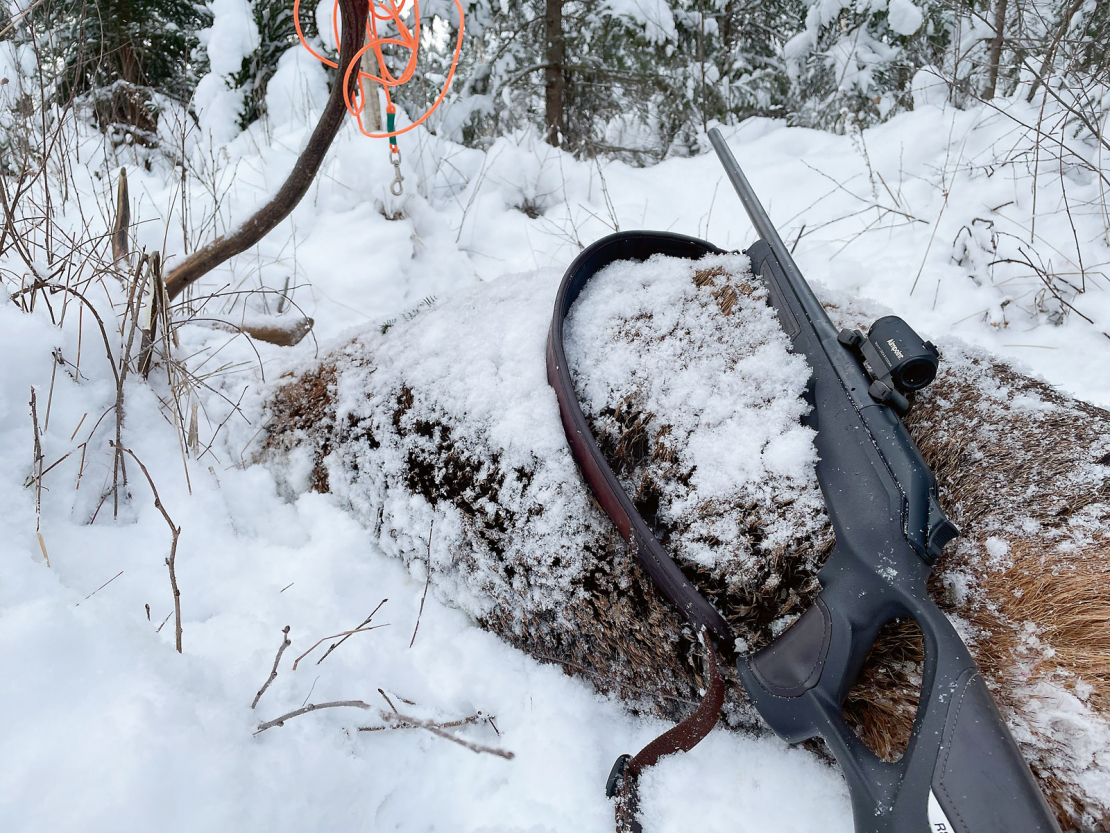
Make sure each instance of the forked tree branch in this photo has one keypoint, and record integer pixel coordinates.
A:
(353, 16)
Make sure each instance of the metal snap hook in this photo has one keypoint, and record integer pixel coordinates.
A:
(395, 187)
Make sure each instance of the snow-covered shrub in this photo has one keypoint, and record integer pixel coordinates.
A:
(120, 57)
(853, 62)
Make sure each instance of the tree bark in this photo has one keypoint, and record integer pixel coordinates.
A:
(995, 55)
(554, 71)
(201, 262)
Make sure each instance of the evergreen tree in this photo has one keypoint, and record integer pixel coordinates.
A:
(853, 63)
(118, 54)
(639, 79)
(643, 78)
(276, 33)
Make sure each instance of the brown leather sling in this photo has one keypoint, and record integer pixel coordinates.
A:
(704, 618)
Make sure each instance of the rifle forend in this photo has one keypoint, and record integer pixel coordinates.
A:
(962, 772)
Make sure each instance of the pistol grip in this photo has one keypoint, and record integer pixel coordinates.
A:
(962, 772)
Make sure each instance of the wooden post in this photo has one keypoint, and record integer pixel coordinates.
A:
(120, 247)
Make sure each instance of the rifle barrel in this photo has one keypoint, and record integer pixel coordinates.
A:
(766, 230)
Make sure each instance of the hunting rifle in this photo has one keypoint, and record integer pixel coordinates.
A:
(961, 772)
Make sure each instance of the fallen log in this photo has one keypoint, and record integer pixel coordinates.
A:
(447, 418)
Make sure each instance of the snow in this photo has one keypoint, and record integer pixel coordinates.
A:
(904, 17)
(655, 16)
(232, 36)
(928, 88)
(298, 86)
(730, 398)
(111, 729)
(501, 406)
(121, 733)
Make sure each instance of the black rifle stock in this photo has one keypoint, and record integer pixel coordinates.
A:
(962, 772)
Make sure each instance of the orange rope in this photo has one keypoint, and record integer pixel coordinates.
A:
(388, 11)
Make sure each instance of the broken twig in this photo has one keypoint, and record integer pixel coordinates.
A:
(399, 721)
(363, 624)
(449, 724)
(311, 707)
(285, 643)
(333, 636)
(435, 729)
(171, 561)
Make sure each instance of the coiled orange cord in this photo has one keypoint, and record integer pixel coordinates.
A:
(384, 12)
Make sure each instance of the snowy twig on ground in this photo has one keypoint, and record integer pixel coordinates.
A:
(171, 561)
(285, 643)
(386, 698)
(333, 636)
(435, 728)
(398, 724)
(311, 707)
(396, 721)
(364, 623)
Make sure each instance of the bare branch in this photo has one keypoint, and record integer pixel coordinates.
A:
(427, 583)
(204, 260)
(447, 724)
(363, 624)
(171, 561)
(101, 587)
(435, 729)
(399, 721)
(333, 636)
(311, 707)
(285, 643)
(37, 462)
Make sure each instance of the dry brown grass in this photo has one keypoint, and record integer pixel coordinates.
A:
(1018, 463)
(299, 410)
(1065, 596)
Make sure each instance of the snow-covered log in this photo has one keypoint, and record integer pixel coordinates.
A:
(442, 435)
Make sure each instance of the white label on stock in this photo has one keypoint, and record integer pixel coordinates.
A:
(938, 822)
